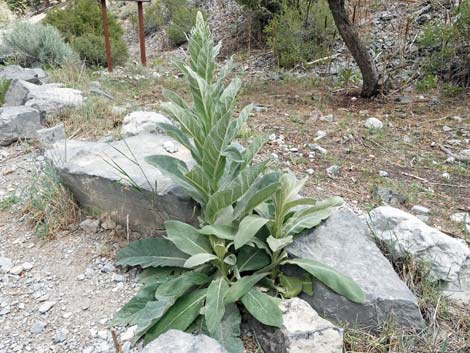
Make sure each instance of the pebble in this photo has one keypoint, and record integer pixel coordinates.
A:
(5, 264)
(383, 173)
(44, 308)
(446, 176)
(460, 217)
(317, 148)
(446, 128)
(320, 134)
(418, 209)
(61, 335)
(119, 278)
(334, 169)
(329, 118)
(108, 224)
(16, 270)
(274, 156)
(310, 171)
(129, 334)
(27, 266)
(170, 147)
(90, 226)
(373, 124)
(38, 327)
(81, 277)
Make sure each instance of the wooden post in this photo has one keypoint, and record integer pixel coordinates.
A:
(107, 43)
(140, 11)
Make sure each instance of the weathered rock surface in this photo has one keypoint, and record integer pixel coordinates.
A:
(18, 123)
(48, 98)
(448, 257)
(91, 170)
(344, 243)
(303, 331)
(49, 136)
(15, 72)
(174, 341)
(140, 122)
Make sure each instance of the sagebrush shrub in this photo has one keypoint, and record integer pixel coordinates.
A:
(301, 33)
(31, 44)
(81, 25)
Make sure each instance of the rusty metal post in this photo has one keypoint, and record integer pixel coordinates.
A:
(140, 10)
(107, 43)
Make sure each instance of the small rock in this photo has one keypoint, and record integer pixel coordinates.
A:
(81, 277)
(310, 171)
(174, 341)
(90, 226)
(302, 331)
(446, 128)
(16, 270)
(38, 327)
(446, 176)
(388, 196)
(129, 334)
(332, 170)
(5, 264)
(107, 268)
(119, 278)
(170, 147)
(460, 217)
(417, 209)
(373, 124)
(320, 134)
(61, 335)
(329, 118)
(51, 135)
(46, 306)
(27, 266)
(118, 110)
(108, 224)
(383, 173)
(317, 148)
(274, 156)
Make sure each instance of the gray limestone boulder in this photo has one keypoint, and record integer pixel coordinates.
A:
(174, 341)
(48, 98)
(113, 178)
(51, 135)
(141, 122)
(15, 72)
(303, 331)
(344, 243)
(405, 234)
(18, 123)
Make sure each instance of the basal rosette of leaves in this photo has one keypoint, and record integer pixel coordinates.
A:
(198, 279)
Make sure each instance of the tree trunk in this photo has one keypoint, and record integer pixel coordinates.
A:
(370, 76)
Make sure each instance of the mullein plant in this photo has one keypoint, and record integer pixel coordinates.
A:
(197, 279)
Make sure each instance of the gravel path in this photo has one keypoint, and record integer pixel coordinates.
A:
(55, 295)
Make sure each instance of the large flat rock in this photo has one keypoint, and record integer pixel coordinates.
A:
(15, 72)
(47, 99)
(18, 123)
(174, 341)
(405, 234)
(114, 178)
(344, 243)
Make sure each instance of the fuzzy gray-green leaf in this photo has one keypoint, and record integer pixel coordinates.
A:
(151, 252)
(263, 307)
(187, 238)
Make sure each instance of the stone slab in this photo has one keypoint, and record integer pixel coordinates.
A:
(93, 171)
(344, 243)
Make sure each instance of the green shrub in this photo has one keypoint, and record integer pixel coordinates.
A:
(176, 17)
(30, 44)
(302, 33)
(448, 47)
(82, 26)
(195, 277)
(426, 83)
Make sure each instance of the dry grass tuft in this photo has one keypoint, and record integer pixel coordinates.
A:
(51, 207)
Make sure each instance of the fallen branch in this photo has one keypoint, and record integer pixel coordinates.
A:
(457, 157)
(415, 177)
